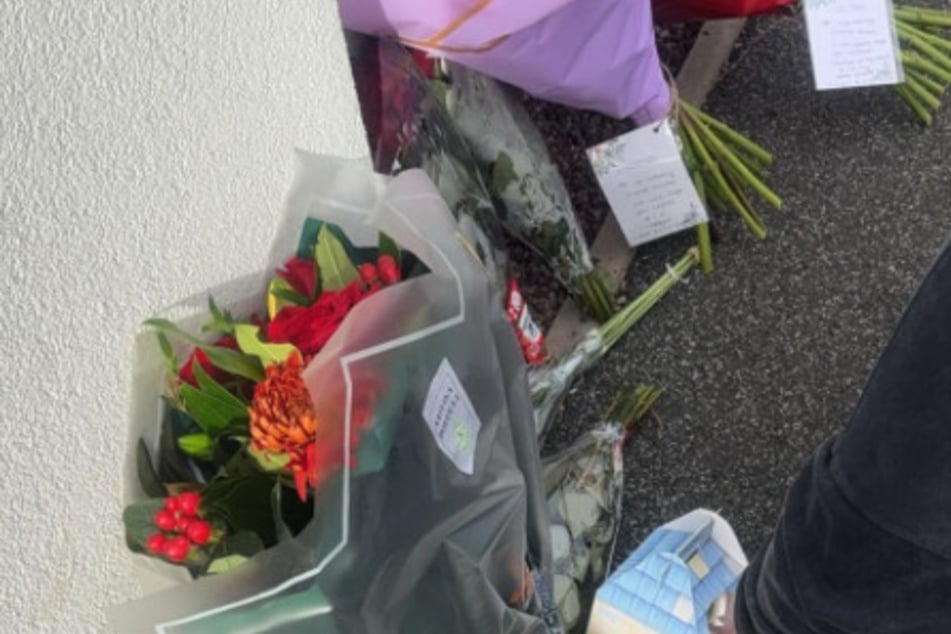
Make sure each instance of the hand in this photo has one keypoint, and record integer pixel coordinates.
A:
(721, 615)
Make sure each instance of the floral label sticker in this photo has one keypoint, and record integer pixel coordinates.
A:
(452, 418)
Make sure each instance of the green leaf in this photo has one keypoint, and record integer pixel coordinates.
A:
(212, 407)
(268, 353)
(244, 503)
(277, 511)
(389, 247)
(199, 446)
(221, 321)
(503, 173)
(171, 361)
(268, 462)
(308, 238)
(148, 478)
(291, 296)
(172, 465)
(336, 269)
(226, 359)
(139, 521)
(225, 564)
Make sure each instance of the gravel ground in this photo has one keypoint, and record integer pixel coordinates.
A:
(765, 359)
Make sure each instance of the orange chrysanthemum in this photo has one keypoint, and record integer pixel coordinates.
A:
(283, 421)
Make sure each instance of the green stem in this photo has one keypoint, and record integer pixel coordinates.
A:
(595, 295)
(612, 330)
(719, 181)
(930, 17)
(934, 87)
(913, 103)
(736, 182)
(631, 406)
(935, 40)
(913, 60)
(922, 93)
(729, 134)
(705, 247)
(924, 47)
(724, 152)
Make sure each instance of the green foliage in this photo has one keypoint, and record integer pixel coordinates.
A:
(148, 477)
(268, 353)
(231, 361)
(199, 446)
(244, 503)
(336, 269)
(388, 246)
(139, 521)
(503, 173)
(212, 407)
(221, 321)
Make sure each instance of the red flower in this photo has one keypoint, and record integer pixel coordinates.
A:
(301, 274)
(187, 372)
(310, 327)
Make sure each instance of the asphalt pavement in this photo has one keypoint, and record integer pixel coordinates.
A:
(766, 358)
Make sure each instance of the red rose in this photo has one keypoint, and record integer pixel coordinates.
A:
(310, 327)
(187, 372)
(301, 274)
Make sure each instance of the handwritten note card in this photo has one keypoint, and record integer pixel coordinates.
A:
(647, 184)
(853, 43)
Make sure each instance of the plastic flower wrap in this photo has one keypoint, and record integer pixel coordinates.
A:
(584, 485)
(335, 443)
(536, 206)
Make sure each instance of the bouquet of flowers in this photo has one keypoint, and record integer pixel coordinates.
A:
(337, 438)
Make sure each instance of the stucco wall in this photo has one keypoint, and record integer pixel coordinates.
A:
(145, 148)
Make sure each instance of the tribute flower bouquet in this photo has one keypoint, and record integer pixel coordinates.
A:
(240, 431)
(336, 438)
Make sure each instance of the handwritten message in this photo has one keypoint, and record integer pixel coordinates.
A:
(853, 43)
(647, 184)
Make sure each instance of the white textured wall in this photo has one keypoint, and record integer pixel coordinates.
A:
(145, 148)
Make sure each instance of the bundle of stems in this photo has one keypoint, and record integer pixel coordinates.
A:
(551, 381)
(725, 166)
(926, 58)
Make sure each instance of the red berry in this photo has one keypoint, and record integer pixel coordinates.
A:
(188, 502)
(155, 543)
(176, 549)
(172, 504)
(389, 273)
(165, 520)
(199, 532)
(182, 523)
(368, 273)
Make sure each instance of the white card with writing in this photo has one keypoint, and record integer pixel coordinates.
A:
(451, 418)
(647, 184)
(853, 43)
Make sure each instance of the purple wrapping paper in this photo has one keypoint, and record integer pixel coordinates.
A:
(593, 54)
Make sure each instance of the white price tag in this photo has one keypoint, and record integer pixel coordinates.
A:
(853, 43)
(647, 184)
(451, 418)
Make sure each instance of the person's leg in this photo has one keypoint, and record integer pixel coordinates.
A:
(864, 542)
